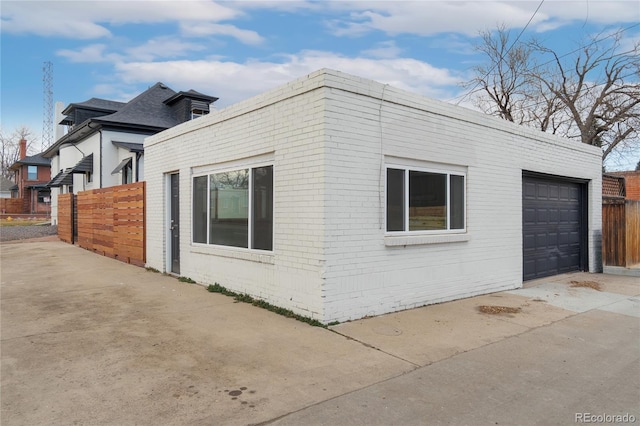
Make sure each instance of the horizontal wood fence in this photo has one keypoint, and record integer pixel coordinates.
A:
(620, 232)
(11, 205)
(111, 222)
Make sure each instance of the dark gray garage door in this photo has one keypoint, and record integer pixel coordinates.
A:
(552, 219)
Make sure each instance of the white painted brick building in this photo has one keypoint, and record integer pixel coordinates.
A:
(339, 197)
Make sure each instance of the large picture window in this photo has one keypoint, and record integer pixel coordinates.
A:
(422, 200)
(234, 208)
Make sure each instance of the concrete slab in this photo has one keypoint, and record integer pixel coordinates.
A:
(586, 364)
(90, 340)
(432, 333)
(620, 270)
(574, 299)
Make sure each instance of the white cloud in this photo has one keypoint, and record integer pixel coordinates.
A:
(232, 82)
(162, 47)
(468, 17)
(90, 19)
(208, 28)
(89, 54)
(385, 49)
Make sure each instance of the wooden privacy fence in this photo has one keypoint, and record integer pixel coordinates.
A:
(11, 205)
(110, 221)
(620, 232)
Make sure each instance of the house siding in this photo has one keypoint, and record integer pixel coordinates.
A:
(288, 134)
(330, 135)
(366, 277)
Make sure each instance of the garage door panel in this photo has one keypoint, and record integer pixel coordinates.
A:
(552, 226)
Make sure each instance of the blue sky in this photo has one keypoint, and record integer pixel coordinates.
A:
(115, 49)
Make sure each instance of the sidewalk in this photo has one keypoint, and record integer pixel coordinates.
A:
(90, 340)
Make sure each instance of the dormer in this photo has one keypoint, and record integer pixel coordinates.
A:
(189, 105)
(77, 113)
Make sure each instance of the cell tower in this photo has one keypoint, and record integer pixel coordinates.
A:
(47, 112)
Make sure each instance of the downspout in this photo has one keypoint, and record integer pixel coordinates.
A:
(100, 152)
(100, 131)
(138, 156)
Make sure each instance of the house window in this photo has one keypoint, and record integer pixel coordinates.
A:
(127, 173)
(420, 200)
(234, 208)
(44, 196)
(32, 172)
(89, 176)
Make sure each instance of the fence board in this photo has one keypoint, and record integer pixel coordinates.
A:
(65, 217)
(11, 205)
(111, 221)
(620, 232)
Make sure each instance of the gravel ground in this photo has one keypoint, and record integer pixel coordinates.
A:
(10, 233)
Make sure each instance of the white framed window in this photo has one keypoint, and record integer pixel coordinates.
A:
(425, 201)
(234, 208)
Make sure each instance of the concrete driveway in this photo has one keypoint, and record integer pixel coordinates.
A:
(89, 340)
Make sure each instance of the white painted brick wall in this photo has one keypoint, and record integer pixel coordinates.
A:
(329, 134)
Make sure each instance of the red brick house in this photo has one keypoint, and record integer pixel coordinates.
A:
(32, 173)
(631, 184)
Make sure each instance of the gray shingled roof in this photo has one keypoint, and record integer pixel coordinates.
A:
(149, 112)
(130, 146)
(32, 160)
(6, 184)
(96, 103)
(146, 109)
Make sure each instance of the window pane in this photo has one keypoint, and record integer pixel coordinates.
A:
(395, 200)
(229, 198)
(456, 200)
(32, 172)
(200, 209)
(427, 201)
(262, 220)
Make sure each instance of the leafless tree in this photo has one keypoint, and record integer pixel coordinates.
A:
(592, 94)
(10, 148)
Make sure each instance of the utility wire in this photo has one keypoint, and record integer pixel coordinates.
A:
(508, 50)
(475, 88)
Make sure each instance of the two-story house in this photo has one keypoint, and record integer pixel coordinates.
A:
(31, 176)
(103, 146)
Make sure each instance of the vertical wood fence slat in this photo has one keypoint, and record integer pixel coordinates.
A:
(111, 222)
(65, 217)
(632, 225)
(620, 232)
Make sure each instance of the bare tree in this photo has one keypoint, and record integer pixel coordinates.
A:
(592, 94)
(511, 90)
(10, 148)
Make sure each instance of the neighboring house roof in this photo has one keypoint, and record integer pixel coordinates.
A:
(33, 160)
(6, 184)
(96, 104)
(130, 146)
(150, 112)
(631, 183)
(613, 186)
(65, 177)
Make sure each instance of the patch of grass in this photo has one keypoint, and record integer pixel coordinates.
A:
(150, 269)
(186, 280)
(243, 297)
(22, 222)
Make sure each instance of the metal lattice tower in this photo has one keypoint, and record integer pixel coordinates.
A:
(47, 112)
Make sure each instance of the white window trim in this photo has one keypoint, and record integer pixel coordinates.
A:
(391, 237)
(230, 167)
